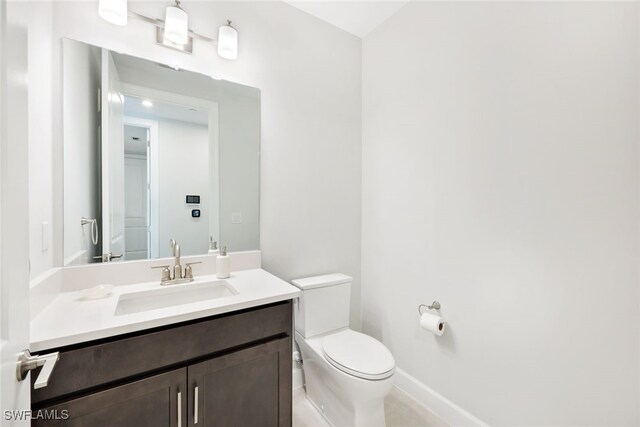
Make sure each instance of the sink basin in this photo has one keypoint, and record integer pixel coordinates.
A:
(172, 295)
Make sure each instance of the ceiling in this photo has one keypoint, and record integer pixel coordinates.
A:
(141, 72)
(356, 17)
(163, 110)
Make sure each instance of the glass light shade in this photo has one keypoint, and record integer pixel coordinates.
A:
(176, 25)
(228, 42)
(113, 11)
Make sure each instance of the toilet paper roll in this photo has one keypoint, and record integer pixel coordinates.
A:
(433, 323)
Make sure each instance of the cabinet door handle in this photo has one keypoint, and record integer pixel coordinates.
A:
(179, 409)
(195, 405)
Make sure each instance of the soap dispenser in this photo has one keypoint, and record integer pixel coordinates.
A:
(213, 247)
(223, 264)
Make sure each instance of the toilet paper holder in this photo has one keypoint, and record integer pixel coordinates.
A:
(434, 306)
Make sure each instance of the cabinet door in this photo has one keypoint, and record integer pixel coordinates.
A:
(250, 387)
(156, 401)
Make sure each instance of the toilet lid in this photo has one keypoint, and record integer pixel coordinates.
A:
(358, 354)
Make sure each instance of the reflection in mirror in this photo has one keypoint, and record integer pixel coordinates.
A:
(153, 154)
(163, 136)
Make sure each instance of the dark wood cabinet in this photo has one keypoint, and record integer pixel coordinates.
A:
(152, 401)
(244, 388)
(237, 366)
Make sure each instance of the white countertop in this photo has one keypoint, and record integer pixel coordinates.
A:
(69, 319)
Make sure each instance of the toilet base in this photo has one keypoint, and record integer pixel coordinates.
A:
(343, 399)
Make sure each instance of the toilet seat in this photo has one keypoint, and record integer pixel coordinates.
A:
(358, 354)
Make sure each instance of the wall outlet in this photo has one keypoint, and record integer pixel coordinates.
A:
(236, 218)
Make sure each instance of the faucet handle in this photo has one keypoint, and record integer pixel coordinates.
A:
(166, 273)
(188, 271)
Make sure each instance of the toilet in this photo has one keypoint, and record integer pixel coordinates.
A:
(347, 374)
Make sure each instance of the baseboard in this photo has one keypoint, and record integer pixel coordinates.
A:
(448, 411)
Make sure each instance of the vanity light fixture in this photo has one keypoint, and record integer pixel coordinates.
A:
(113, 11)
(228, 42)
(174, 31)
(176, 24)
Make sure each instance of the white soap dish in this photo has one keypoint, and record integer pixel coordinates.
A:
(96, 292)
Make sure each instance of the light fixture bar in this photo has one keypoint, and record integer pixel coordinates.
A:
(162, 40)
(160, 23)
(226, 44)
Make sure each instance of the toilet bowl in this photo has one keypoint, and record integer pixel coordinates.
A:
(347, 374)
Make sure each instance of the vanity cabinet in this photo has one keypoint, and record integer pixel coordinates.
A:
(242, 388)
(228, 370)
(151, 401)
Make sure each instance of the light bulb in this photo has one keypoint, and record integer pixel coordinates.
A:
(228, 42)
(113, 11)
(176, 25)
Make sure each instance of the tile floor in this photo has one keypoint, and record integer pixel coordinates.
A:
(400, 411)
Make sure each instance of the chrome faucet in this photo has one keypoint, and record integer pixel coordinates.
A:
(177, 267)
(177, 275)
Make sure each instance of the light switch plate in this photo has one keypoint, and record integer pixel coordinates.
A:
(236, 218)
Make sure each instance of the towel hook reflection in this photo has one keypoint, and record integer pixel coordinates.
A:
(94, 228)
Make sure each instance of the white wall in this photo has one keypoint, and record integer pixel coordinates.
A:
(183, 152)
(81, 124)
(500, 177)
(40, 136)
(239, 170)
(309, 76)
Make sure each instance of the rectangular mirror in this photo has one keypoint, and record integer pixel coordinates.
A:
(152, 153)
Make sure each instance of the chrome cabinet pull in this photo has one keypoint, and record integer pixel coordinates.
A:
(179, 409)
(195, 405)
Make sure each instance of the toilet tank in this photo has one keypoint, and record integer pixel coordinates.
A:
(324, 304)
